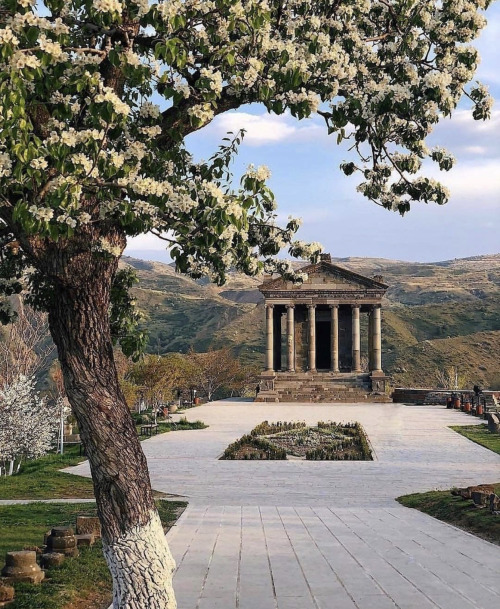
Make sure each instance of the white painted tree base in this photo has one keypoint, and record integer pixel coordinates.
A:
(141, 565)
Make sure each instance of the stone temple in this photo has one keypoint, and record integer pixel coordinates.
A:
(323, 337)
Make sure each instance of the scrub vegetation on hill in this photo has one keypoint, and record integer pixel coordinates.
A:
(434, 315)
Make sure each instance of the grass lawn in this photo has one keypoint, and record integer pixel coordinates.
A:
(41, 478)
(79, 583)
(457, 511)
(480, 435)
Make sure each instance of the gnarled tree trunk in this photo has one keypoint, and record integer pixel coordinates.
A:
(134, 543)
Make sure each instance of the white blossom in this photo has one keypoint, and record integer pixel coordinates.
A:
(28, 424)
(107, 6)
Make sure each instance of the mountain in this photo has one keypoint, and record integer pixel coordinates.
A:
(435, 315)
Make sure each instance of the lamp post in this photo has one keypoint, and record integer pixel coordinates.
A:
(61, 428)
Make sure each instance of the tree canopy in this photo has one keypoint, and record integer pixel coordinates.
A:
(97, 96)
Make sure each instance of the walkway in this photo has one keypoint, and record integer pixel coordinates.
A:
(324, 535)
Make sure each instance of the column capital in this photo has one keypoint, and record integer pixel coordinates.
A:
(334, 306)
(269, 306)
(377, 306)
(355, 305)
(290, 306)
(311, 306)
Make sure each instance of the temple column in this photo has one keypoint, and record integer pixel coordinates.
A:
(356, 343)
(269, 338)
(377, 339)
(312, 337)
(335, 337)
(370, 340)
(290, 330)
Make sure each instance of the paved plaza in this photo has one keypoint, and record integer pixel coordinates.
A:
(324, 535)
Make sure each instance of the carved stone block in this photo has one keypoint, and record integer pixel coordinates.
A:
(62, 540)
(22, 567)
(52, 559)
(88, 525)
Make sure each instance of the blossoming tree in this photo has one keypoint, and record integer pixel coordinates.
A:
(87, 160)
(28, 424)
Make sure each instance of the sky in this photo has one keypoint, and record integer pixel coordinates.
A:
(307, 182)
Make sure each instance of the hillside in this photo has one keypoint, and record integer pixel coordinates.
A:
(435, 315)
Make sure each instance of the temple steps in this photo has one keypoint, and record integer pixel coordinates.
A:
(321, 387)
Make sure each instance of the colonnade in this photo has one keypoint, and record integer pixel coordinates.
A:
(374, 337)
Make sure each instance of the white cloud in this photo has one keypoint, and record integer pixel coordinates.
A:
(263, 129)
(471, 182)
(468, 138)
(488, 47)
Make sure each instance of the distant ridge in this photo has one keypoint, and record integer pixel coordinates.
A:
(435, 315)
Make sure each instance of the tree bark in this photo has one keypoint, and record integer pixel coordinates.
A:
(134, 543)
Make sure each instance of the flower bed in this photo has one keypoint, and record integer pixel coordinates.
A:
(327, 441)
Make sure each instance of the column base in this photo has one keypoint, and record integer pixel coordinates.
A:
(378, 381)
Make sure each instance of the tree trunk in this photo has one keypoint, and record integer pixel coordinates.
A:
(134, 543)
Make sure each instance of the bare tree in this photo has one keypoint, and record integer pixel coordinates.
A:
(27, 347)
(451, 378)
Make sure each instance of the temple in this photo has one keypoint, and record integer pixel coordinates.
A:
(323, 337)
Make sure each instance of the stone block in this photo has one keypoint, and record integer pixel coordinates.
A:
(73, 438)
(494, 501)
(52, 559)
(22, 567)
(493, 422)
(6, 594)
(480, 498)
(466, 493)
(84, 540)
(62, 540)
(88, 525)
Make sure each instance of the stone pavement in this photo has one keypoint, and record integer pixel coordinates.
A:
(324, 535)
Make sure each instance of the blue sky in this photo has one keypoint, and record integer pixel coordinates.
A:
(307, 182)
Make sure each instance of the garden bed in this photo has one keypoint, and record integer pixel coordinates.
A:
(327, 441)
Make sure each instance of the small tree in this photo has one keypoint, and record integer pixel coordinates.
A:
(214, 370)
(451, 378)
(27, 346)
(28, 424)
(159, 377)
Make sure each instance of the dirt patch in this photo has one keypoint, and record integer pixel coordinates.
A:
(96, 599)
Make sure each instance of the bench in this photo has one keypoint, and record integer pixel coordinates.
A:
(149, 430)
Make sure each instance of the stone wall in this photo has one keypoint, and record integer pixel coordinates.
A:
(410, 395)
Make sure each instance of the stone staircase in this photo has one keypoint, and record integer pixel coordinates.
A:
(321, 387)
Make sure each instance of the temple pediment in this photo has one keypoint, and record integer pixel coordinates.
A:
(325, 277)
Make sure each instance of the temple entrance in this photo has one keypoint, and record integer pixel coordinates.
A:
(323, 345)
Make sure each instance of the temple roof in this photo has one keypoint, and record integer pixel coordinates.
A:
(326, 276)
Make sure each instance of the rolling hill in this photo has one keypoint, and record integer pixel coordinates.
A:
(435, 315)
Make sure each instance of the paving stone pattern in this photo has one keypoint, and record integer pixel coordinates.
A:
(325, 535)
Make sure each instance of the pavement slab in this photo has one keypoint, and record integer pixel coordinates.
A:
(324, 535)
